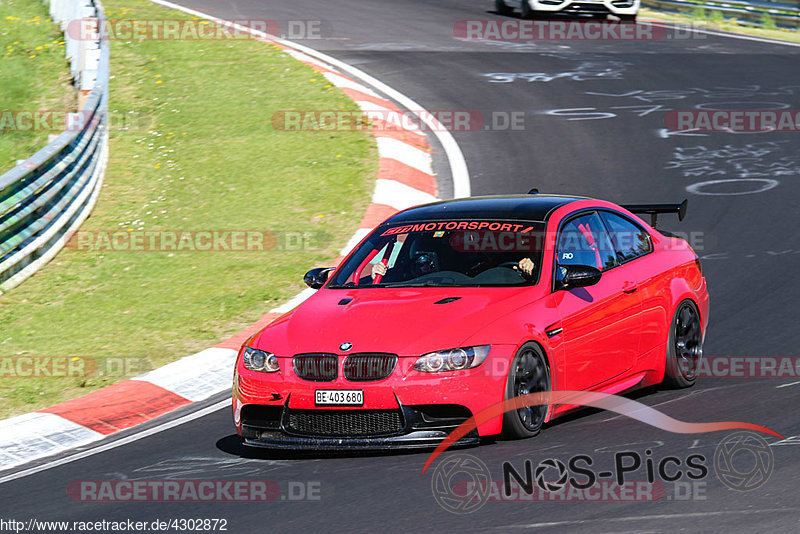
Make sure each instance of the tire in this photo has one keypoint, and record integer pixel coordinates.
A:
(684, 346)
(528, 373)
(502, 8)
(526, 12)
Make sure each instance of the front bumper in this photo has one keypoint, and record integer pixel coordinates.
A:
(409, 409)
(615, 7)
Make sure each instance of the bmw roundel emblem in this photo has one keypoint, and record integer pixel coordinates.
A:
(346, 346)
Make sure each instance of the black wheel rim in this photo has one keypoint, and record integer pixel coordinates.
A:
(688, 341)
(530, 376)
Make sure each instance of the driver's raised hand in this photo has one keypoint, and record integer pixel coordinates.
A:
(378, 269)
(526, 266)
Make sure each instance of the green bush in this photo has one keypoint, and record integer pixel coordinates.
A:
(716, 16)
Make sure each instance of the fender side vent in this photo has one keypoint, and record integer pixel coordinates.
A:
(345, 301)
(447, 300)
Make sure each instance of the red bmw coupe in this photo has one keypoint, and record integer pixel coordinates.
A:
(448, 308)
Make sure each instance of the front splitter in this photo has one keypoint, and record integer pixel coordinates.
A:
(421, 439)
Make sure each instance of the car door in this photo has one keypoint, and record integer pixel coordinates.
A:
(600, 324)
(633, 246)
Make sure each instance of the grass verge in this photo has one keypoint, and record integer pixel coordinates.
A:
(201, 155)
(34, 76)
(722, 24)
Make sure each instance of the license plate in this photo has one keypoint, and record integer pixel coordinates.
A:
(339, 397)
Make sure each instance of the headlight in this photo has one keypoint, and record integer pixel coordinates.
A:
(453, 359)
(259, 360)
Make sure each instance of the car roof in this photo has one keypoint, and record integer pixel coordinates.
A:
(531, 207)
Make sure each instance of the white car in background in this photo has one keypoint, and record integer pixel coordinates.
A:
(625, 10)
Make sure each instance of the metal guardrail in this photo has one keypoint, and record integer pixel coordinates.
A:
(783, 14)
(46, 197)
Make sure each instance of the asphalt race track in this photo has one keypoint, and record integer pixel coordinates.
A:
(618, 150)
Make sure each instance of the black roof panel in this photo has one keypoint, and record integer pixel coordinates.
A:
(523, 207)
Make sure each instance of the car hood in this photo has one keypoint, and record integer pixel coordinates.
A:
(404, 321)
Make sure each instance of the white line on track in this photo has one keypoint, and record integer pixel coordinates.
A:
(118, 443)
(341, 81)
(787, 385)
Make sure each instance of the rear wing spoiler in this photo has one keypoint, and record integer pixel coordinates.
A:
(654, 209)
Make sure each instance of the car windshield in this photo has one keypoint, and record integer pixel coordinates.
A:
(446, 253)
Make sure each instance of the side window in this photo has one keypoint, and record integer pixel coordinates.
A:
(584, 241)
(629, 239)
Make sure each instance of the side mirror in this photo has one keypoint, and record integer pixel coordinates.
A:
(571, 276)
(315, 278)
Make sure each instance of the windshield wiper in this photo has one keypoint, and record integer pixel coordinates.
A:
(347, 285)
(426, 283)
